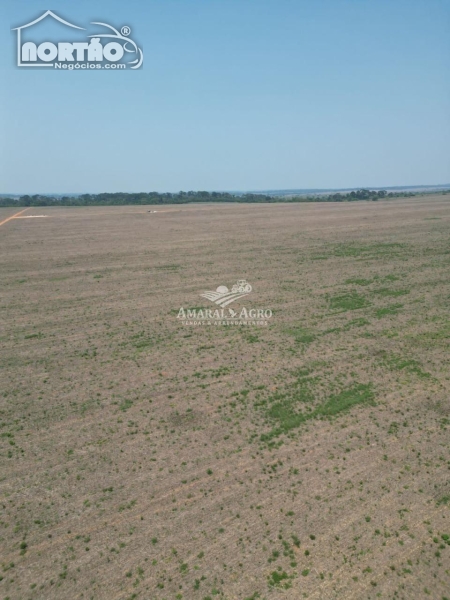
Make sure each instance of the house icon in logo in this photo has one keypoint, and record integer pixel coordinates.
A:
(21, 50)
(76, 49)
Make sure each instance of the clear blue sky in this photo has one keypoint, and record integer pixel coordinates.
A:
(235, 95)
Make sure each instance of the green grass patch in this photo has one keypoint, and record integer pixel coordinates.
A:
(280, 579)
(125, 405)
(386, 292)
(393, 428)
(347, 301)
(431, 337)
(358, 394)
(357, 281)
(142, 340)
(358, 250)
(31, 336)
(300, 334)
(361, 322)
(388, 310)
(399, 363)
(295, 406)
(445, 500)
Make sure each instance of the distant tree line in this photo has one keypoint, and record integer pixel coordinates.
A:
(155, 198)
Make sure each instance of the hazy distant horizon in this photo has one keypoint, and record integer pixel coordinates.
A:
(282, 191)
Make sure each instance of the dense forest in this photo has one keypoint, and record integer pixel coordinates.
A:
(152, 198)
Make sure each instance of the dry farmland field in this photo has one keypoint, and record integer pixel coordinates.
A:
(144, 459)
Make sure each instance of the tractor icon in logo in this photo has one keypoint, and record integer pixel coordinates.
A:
(223, 296)
(241, 287)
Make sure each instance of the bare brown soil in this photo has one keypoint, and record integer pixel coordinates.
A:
(145, 459)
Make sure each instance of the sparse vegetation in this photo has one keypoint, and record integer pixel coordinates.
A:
(143, 459)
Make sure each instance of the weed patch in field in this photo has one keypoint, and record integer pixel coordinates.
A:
(358, 281)
(388, 310)
(386, 292)
(300, 334)
(430, 338)
(280, 579)
(142, 341)
(358, 394)
(348, 301)
(295, 405)
(399, 363)
(361, 322)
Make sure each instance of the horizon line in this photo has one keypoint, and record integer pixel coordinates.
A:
(236, 191)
